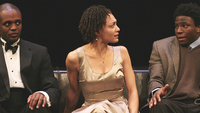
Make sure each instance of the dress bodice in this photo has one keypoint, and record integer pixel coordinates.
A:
(98, 87)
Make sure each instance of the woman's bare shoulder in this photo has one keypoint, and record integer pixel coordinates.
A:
(72, 57)
(123, 49)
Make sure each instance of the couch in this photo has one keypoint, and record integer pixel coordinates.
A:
(141, 76)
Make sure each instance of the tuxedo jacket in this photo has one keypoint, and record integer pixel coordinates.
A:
(36, 72)
(164, 64)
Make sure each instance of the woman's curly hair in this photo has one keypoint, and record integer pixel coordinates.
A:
(92, 21)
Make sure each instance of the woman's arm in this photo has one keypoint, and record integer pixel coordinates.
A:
(133, 101)
(72, 66)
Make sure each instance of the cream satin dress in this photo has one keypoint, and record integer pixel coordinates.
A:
(103, 93)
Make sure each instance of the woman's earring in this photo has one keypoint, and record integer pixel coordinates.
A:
(96, 39)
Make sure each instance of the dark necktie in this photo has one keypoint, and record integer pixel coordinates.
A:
(189, 47)
(14, 49)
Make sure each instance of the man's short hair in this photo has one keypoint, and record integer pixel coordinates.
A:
(189, 9)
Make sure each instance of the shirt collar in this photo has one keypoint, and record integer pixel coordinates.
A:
(195, 43)
(14, 44)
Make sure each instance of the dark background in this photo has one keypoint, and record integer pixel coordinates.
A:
(54, 24)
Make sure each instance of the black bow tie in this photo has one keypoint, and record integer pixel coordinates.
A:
(8, 46)
(14, 49)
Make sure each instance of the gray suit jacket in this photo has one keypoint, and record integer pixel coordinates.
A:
(36, 72)
(164, 64)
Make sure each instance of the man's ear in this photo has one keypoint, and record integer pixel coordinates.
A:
(198, 29)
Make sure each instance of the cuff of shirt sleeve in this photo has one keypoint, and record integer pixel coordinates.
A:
(152, 92)
(47, 97)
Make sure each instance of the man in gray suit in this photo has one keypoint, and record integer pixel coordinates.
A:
(27, 83)
(174, 85)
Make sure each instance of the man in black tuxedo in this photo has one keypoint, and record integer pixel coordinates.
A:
(27, 83)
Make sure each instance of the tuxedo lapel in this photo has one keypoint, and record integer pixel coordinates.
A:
(25, 56)
(25, 61)
(175, 54)
(3, 70)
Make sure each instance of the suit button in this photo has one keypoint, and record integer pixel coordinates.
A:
(174, 81)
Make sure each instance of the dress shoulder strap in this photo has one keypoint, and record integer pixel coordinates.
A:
(81, 56)
(117, 53)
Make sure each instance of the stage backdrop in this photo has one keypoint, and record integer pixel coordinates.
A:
(54, 24)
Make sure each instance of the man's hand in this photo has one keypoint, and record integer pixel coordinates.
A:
(36, 98)
(157, 95)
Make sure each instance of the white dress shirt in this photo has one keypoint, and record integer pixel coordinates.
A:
(195, 43)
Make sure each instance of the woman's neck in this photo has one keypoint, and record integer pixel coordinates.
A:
(98, 48)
